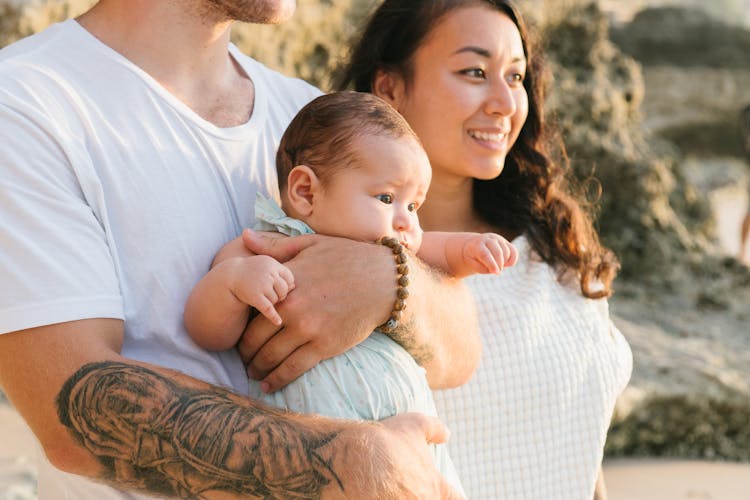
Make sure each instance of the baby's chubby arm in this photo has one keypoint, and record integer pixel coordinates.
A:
(463, 254)
(218, 308)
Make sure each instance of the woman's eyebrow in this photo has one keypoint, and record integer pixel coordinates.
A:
(484, 53)
(477, 50)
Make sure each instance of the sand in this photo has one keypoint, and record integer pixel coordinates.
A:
(628, 479)
(676, 480)
(17, 451)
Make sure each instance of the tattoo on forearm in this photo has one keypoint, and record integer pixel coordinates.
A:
(152, 434)
(404, 336)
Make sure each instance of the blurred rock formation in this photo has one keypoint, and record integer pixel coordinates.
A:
(682, 303)
(20, 18)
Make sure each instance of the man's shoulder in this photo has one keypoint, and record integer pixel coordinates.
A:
(38, 45)
(29, 62)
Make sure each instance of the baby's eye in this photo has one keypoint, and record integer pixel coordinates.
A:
(385, 198)
(412, 207)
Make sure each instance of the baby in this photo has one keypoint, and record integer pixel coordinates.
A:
(350, 166)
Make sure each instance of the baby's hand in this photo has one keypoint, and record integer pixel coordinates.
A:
(262, 282)
(489, 253)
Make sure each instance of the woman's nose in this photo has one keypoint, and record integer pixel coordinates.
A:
(500, 100)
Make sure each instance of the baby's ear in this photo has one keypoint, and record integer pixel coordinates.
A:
(301, 188)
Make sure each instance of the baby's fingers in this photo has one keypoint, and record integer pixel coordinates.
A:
(510, 254)
(266, 308)
(488, 255)
(283, 283)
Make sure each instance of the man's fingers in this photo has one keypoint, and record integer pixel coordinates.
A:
(256, 335)
(418, 425)
(297, 363)
(281, 249)
(274, 352)
(434, 430)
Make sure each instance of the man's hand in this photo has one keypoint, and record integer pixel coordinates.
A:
(399, 456)
(343, 291)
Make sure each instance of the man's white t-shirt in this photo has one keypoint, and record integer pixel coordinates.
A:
(116, 196)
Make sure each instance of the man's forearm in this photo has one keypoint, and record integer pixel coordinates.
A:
(440, 327)
(159, 434)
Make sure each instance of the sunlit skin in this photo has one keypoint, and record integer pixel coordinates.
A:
(251, 11)
(377, 197)
(466, 102)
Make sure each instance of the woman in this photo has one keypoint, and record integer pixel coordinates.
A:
(745, 224)
(533, 421)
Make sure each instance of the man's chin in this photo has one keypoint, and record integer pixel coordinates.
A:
(252, 11)
(270, 12)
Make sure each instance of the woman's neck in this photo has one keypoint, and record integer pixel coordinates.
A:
(448, 206)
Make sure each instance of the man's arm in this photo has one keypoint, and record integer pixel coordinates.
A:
(439, 327)
(344, 290)
(144, 428)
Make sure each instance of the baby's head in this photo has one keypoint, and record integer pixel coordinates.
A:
(349, 165)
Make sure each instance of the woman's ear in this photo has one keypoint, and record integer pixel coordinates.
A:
(301, 188)
(389, 86)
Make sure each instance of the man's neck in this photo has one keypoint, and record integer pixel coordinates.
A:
(183, 50)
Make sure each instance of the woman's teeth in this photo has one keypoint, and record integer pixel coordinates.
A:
(487, 136)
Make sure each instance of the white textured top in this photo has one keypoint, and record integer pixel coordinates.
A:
(532, 422)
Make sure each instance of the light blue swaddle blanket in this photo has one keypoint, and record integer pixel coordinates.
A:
(371, 381)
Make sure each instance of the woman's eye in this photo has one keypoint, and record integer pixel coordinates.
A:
(385, 198)
(412, 207)
(516, 78)
(474, 72)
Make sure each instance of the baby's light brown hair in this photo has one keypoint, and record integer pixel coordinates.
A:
(322, 135)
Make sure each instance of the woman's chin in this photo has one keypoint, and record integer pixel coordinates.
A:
(489, 172)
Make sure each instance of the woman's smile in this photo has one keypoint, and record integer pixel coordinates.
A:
(494, 140)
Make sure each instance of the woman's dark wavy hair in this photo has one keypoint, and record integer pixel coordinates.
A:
(532, 195)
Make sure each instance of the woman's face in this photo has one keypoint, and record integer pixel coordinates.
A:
(466, 100)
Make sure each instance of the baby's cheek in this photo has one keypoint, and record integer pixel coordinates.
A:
(416, 240)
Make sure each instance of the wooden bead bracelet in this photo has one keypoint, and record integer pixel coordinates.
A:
(402, 292)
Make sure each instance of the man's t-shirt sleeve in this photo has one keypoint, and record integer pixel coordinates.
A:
(55, 261)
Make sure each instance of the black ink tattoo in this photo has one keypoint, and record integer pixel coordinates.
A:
(152, 434)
